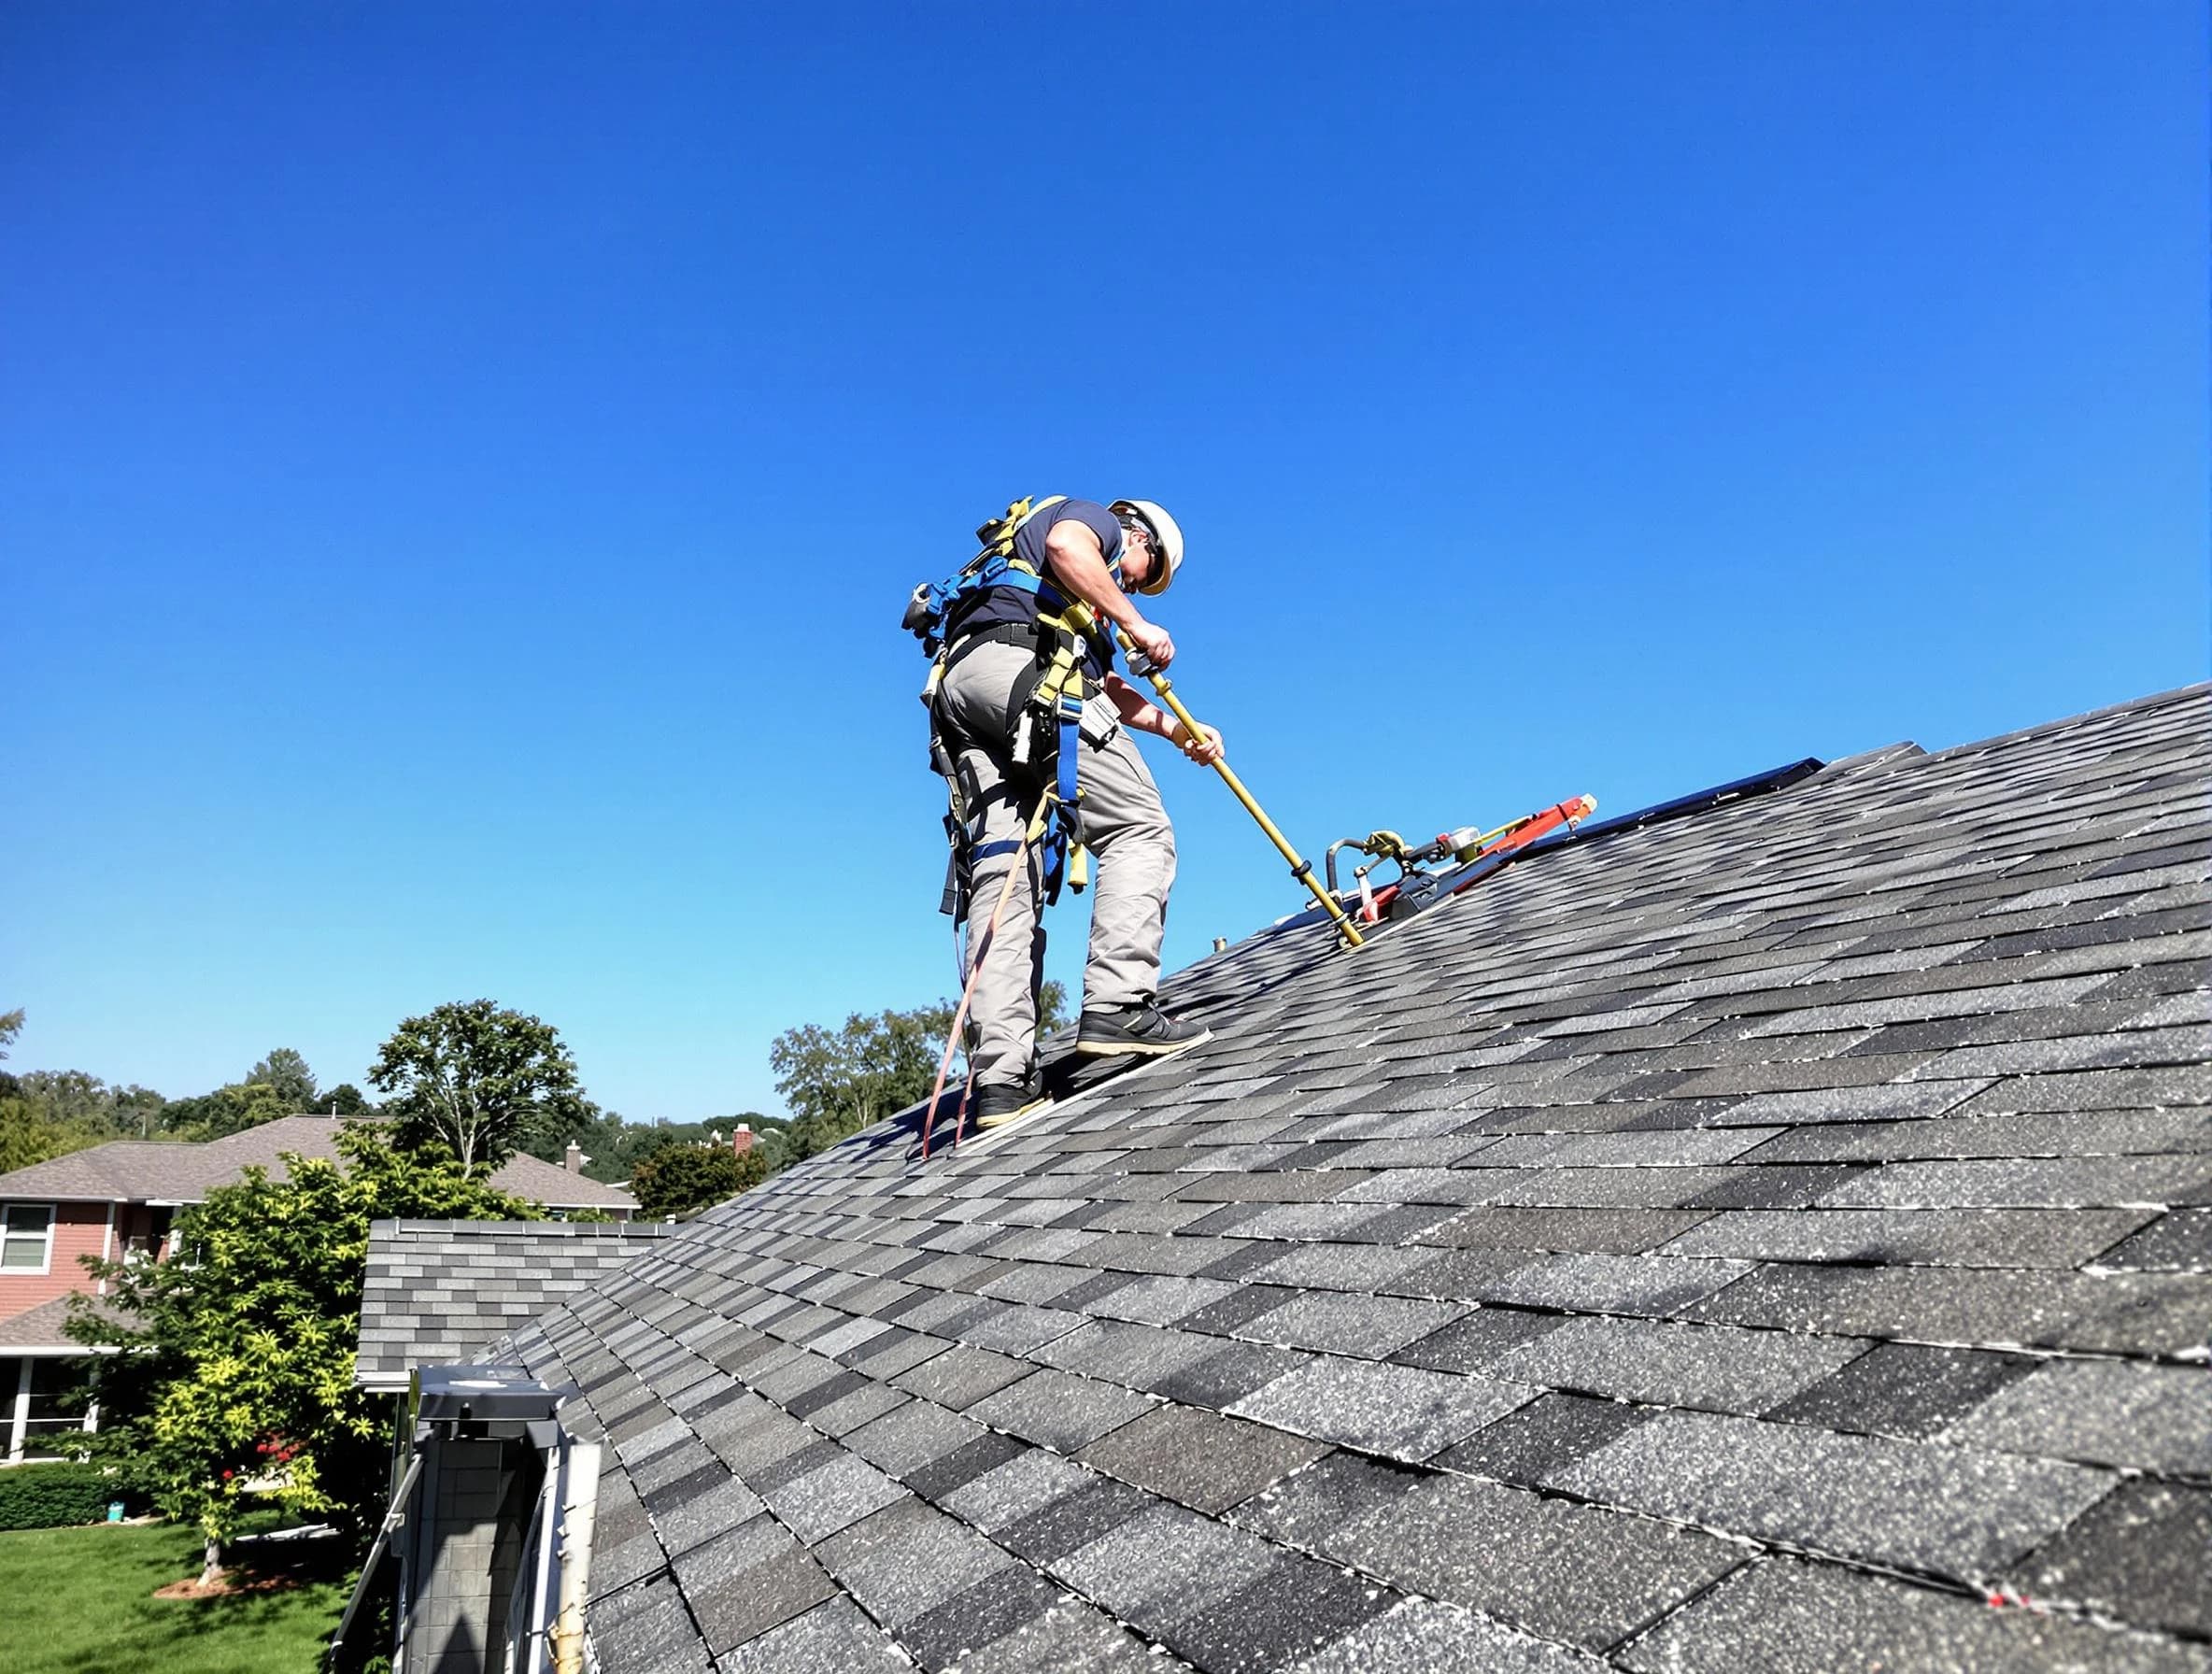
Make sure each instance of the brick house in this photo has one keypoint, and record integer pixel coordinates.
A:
(122, 1200)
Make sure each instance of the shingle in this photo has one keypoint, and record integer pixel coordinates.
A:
(1230, 1374)
(647, 1626)
(1002, 1603)
(1904, 1389)
(2140, 1313)
(907, 1559)
(1135, 1357)
(2137, 1555)
(1526, 1559)
(1068, 1639)
(698, 1506)
(1199, 1459)
(1550, 1434)
(1059, 1410)
(754, 1578)
(1614, 1284)
(1348, 1324)
(1423, 1636)
(2053, 1238)
(2107, 1182)
(2180, 1241)
(1014, 1488)
(1403, 1412)
(1478, 1339)
(2106, 1411)
(1915, 1100)
(1797, 1618)
(913, 1436)
(962, 1376)
(1164, 1567)
(1591, 1231)
(1947, 1511)
(831, 1496)
(1293, 1609)
(832, 1639)
(1676, 1365)
(1073, 1519)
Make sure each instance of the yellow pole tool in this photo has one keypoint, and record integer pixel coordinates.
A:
(1082, 617)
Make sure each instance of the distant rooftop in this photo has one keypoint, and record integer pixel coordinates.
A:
(441, 1291)
(165, 1171)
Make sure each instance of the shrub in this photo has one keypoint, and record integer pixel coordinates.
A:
(60, 1496)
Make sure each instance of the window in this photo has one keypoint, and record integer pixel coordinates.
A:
(55, 1409)
(26, 1237)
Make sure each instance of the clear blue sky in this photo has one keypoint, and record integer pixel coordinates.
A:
(460, 466)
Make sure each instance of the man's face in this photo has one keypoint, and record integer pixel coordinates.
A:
(1137, 557)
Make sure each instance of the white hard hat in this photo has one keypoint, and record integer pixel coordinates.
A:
(1167, 538)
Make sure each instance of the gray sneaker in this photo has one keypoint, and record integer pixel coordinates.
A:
(1137, 1030)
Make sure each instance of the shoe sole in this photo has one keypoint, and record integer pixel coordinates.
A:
(1136, 1048)
(997, 1123)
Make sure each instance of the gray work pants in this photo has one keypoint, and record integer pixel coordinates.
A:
(1132, 850)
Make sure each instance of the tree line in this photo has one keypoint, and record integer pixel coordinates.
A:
(485, 1081)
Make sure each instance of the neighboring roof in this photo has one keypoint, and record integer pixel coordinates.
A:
(39, 1330)
(166, 1170)
(439, 1291)
(1763, 1240)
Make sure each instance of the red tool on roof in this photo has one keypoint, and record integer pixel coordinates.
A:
(1416, 888)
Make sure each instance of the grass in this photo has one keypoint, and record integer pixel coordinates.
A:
(80, 1601)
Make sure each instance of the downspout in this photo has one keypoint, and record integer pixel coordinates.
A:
(576, 1519)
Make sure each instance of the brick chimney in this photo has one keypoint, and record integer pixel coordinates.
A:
(742, 1141)
(576, 1159)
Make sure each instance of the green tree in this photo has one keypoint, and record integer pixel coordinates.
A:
(478, 1078)
(679, 1179)
(235, 1377)
(27, 1136)
(345, 1099)
(598, 1133)
(838, 1081)
(1052, 1008)
(11, 1024)
(285, 1073)
(224, 1112)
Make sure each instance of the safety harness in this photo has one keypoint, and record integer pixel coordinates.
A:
(1043, 716)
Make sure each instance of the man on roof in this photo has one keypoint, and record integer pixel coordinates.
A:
(1003, 641)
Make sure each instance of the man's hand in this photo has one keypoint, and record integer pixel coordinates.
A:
(1151, 641)
(1205, 748)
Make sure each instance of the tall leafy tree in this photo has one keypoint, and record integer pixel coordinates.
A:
(236, 1362)
(345, 1099)
(285, 1074)
(679, 1179)
(224, 1112)
(837, 1081)
(477, 1078)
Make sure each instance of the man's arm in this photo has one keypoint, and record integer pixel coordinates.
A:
(1078, 560)
(1141, 715)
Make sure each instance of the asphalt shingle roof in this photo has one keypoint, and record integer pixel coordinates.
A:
(441, 1291)
(1767, 1239)
(167, 1170)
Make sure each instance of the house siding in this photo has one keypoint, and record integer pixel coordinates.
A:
(79, 1229)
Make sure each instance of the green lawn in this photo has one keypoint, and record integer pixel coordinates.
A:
(80, 1601)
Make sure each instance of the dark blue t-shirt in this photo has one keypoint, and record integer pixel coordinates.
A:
(998, 606)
